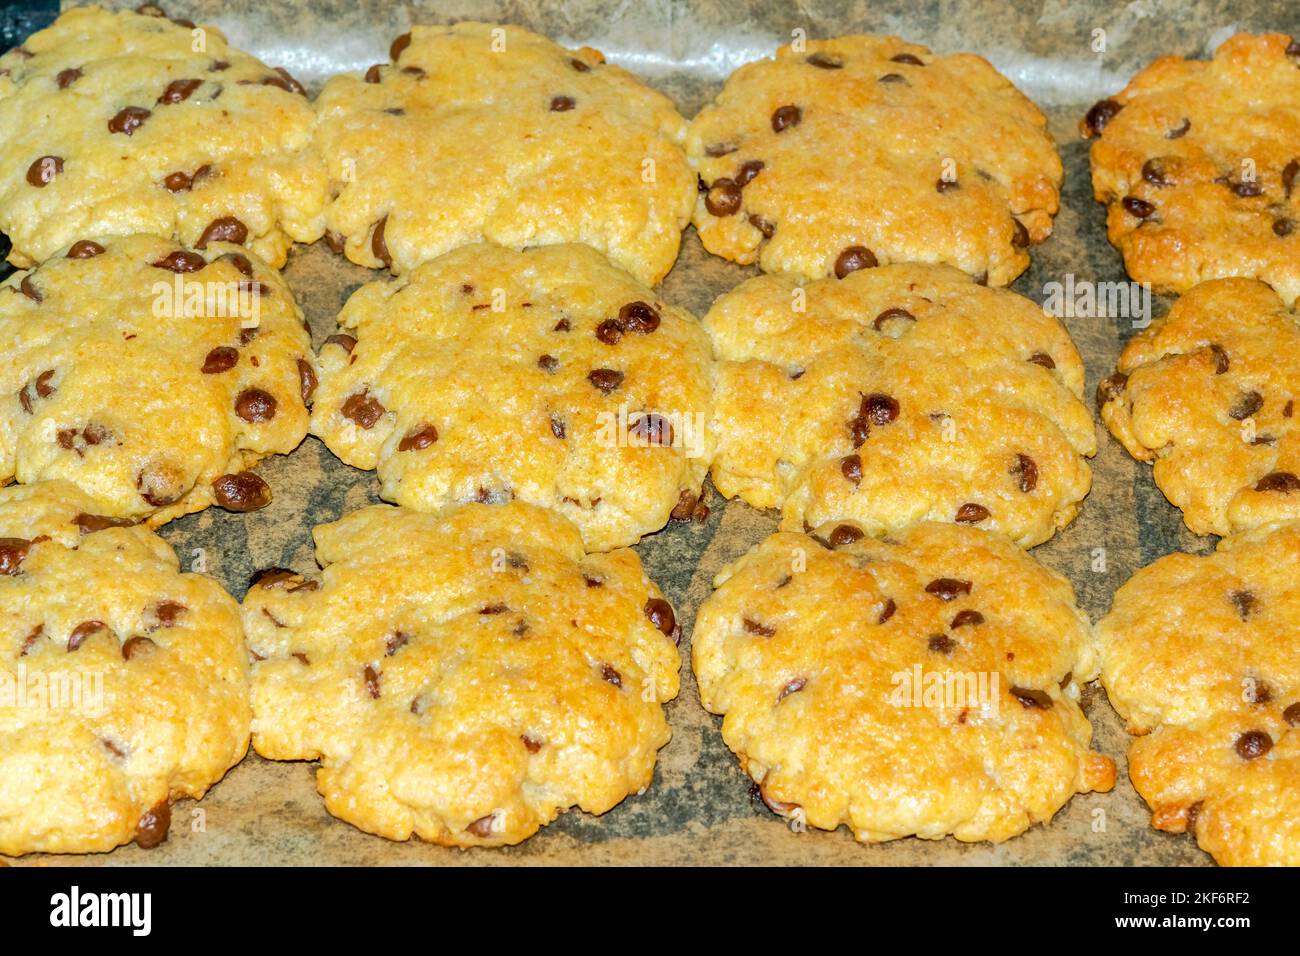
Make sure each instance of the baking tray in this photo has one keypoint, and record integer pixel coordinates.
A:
(699, 809)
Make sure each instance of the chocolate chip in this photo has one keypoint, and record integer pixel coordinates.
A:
(1253, 744)
(335, 241)
(89, 524)
(548, 363)
(1025, 471)
(1258, 692)
(42, 172)
(745, 175)
(179, 90)
(762, 225)
(128, 120)
(887, 611)
(346, 342)
(1043, 359)
(894, 78)
(971, 513)
(225, 229)
(941, 643)
(579, 65)
(1247, 404)
(1283, 227)
(1221, 362)
(609, 332)
(1292, 714)
(67, 77)
(1244, 601)
(377, 244)
(1179, 131)
(418, 438)
(942, 185)
(399, 45)
(723, 198)
(1245, 188)
(255, 405)
(85, 249)
(372, 74)
(845, 534)
(793, 687)
(158, 487)
(824, 62)
(1153, 171)
(153, 826)
(1020, 237)
(1280, 481)
(757, 628)
(719, 149)
(136, 646)
(30, 640)
(1111, 388)
(221, 359)
(13, 551)
(180, 261)
(562, 326)
(219, 66)
(652, 429)
(363, 409)
(83, 632)
(605, 379)
(785, 117)
(40, 386)
(562, 104)
(851, 468)
(609, 675)
(948, 589)
(169, 613)
(638, 317)
(1102, 112)
(880, 409)
(306, 380)
(28, 288)
(395, 642)
(1030, 697)
(660, 614)
(892, 313)
(372, 681)
(967, 618)
(690, 507)
(1289, 173)
(178, 182)
(270, 577)
(243, 491)
(852, 259)
(1139, 208)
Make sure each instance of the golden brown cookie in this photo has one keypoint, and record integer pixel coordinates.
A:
(1208, 393)
(121, 123)
(477, 132)
(151, 376)
(896, 395)
(123, 683)
(863, 150)
(1202, 656)
(546, 375)
(923, 687)
(1199, 164)
(463, 679)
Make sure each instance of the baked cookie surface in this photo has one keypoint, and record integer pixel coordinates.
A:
(546, 375)
(864, 150)
(112, 124)
(897, 395)
(1201, 655)
(477, 132)
(1208, 394)
(151, 376)
(463, 679)
(123, 682)
(1198, 162)
(825, 654)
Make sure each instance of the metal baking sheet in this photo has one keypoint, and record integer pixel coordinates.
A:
(1064, 54)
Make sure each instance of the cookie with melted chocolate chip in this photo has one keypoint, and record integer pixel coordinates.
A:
(1208, 394)
(1198, 162)
(151, 376)
(1201, 655)
(923, 687)
(547, 375)
(125, 681)
(483, 133)
(865, 150)
(111, 123)
(899, 394)
(463, 679)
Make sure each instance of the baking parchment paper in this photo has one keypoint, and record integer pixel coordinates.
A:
(699, 810)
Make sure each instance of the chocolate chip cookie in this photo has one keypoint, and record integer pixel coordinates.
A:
(866, 150)
(150, 375)
(1198, 162)
(900, 394)
(1208, 393)
(463, 679)
(546, 375)
(1201, 655)
(476, 132)
(120, 123)
(919, 688)
(123, 683)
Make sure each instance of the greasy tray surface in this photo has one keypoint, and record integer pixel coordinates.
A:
(699, 809)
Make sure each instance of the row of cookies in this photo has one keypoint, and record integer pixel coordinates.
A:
(476, 132)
